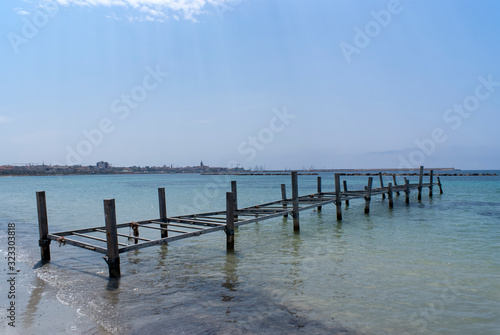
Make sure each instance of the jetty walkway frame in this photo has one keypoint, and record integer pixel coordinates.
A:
(186, 226)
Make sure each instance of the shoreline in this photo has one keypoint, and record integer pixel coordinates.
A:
(342, 172)
(356, 174)
(38, 309)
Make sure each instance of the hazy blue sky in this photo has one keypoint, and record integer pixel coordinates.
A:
(277, 83)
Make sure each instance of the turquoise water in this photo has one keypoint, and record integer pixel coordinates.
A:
(428, 268)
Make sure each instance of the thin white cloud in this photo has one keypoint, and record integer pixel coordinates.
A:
(159, 10)
(113, 16)
(151, 11)
(21, 11)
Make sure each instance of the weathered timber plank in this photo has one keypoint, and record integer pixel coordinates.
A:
(95, 238)
(77, 243)
(124, 235)
(368, 195)
(168, 229)
(230, 221)
(43, 226)
(381, 184)
(169, 239)
(193, 226)
(283, 198)
(319, 191)
(338, 200)
(420, 179)
(295, 201)
(113, 254)
(209, 223)
(162, 201)
(389, 195)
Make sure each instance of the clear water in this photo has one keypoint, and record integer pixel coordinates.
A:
(428, 268)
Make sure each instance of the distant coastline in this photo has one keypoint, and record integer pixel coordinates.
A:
(361, 172)
(103, 168)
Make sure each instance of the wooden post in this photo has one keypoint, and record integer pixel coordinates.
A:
(395, 182)
(338, 201)
(112, 239)
(439, 184)
(229, 221)
(283, 197)
(319, 191)
(389, 195)
(431, 175)
(381, 183)
(295, 201)
(345, 191)
(163, 211)
(420, 180)
(368, 196)
(407, 191)
(43, 226)
(234, 190)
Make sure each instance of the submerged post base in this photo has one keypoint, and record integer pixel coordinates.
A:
(114, 267)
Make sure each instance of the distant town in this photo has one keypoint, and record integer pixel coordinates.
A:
(103, 168)
(106, 168)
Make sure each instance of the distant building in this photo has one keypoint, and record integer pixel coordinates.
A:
(102, 165)
(201, 164)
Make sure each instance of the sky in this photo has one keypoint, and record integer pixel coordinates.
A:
(295, 84)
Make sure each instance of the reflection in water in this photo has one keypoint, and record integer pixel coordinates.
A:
(162, 253)
(230, 276)
(134, 256)
(297, 259)
(338, 230)
(112, 294)
(113, 284)
(35, 296)
(368, 224)
(391, 213)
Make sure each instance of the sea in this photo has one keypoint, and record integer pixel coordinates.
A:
(430, 267)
